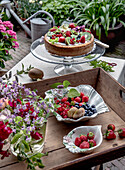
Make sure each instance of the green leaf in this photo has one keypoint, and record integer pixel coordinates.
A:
(73, 93)
(16, 137)
(66, 83)
(55, 85)
(26, 145)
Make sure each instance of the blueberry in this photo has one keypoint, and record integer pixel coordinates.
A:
(77, 106)
(84, 106)
(76, 103)
(87, 104)
(90, 113)
(94, 110)
(51, 37)
(93, 106)
(79, 36)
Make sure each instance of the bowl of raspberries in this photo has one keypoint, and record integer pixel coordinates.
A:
(83, 139)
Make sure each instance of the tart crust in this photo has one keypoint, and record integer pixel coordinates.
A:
(73, 50)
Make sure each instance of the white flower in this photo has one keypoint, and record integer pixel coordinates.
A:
(40, 2)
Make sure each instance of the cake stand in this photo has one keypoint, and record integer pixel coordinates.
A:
(68, 64)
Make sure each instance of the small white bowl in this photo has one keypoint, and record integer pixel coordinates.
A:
(69, 139)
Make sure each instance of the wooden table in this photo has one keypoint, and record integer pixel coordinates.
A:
(58, 156)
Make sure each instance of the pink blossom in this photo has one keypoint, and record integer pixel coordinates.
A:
(11, 32)
(2, 28)
(16, 44)
(1, 21)
(15, 37)
(8, 24)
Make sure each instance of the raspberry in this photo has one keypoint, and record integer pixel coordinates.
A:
(68, 34)
(82, 40)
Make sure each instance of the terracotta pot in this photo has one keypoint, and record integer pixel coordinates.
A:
(114, 35)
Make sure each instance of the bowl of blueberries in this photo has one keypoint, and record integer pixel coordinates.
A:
(77, 103)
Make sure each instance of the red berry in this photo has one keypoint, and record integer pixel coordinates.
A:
(90, 135)
(68, 34)
(77, 99)
(80, 104)
(77, 141)
(92, 143)
(62, 39)
(111, 126)
(53, 29)
(88, 31)
(64, 99)
(82, 40)
(121, 132)
(84, 144)
(83, 137)
(71, 25)
(85, 99)
(81, 94)
(110, 134)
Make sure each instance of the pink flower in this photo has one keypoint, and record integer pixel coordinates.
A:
(8, 24)
(11, 32)
(16, 44)
(15, 37)
(2, 28)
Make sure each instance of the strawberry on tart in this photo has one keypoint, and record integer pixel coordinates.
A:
(69, 40)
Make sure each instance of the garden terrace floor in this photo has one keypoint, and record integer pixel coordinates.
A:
(24, 48)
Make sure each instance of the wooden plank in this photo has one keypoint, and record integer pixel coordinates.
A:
(86, 77)
(110, 90)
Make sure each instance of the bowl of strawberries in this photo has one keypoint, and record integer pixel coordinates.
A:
(83, 139)
(74, 104)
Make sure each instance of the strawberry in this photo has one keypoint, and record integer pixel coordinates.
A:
(90, 135)
(72, 41)
(111, 126)
(68, 34)
(121, 132)
(77, 141)
(82, 40)
(77, 99)
(64, 99)
(92, 143)
(81, 94)
(53, 29)
(88, 31)
(71, 25)
(84, 144)
(83, 137)
(85, 99)
(110, 134)
(62, 39)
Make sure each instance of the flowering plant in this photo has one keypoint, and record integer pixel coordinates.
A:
(8, 40)
(22, 114)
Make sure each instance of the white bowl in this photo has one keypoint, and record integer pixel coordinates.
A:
(69, 139)
(94, 99)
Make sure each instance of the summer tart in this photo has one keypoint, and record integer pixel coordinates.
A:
(69, 40)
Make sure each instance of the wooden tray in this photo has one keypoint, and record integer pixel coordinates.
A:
(58, 156)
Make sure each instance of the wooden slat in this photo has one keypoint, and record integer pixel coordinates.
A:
(86, 77)
(110, 90)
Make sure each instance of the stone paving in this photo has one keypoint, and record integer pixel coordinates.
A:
(24, 49)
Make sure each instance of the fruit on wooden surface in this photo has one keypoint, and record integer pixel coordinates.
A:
(35, 74)
(110, 134)
(111, 126)
(121, 132)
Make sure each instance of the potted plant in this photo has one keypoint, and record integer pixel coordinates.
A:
(23, 117)
(101, 16)
(8, 41)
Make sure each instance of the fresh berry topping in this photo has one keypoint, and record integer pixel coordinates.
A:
(121, 132)
(68, 34)
(71, 25)
(90, 135)
(53, 29)
(82, 40)
(111, 126)
(62, 39)
(77, 141)
(84, 144)
(85, 99)
(110, 134)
